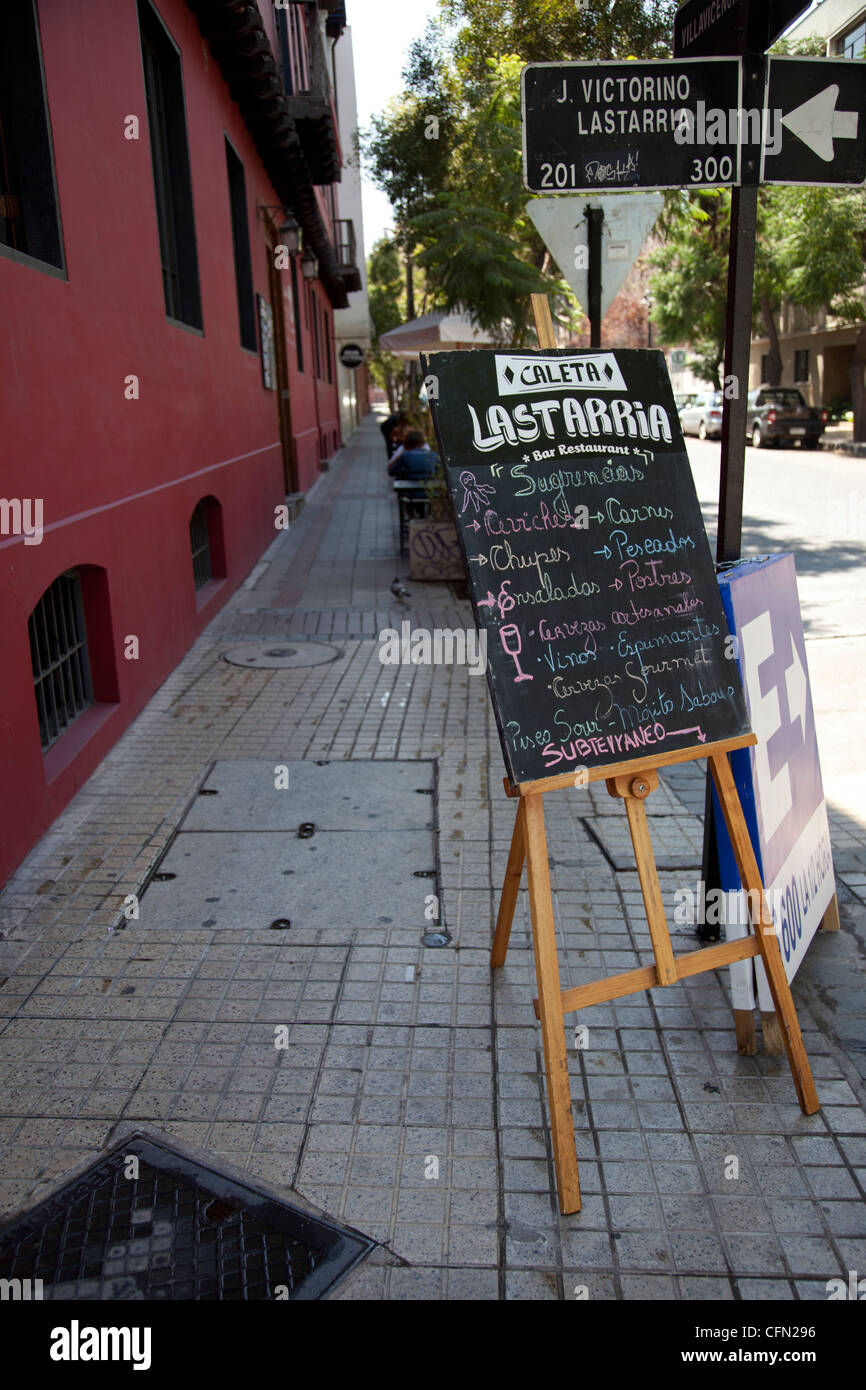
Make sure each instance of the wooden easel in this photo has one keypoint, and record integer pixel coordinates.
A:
(634, 781)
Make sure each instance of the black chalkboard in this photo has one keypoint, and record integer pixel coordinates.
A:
(588, 562)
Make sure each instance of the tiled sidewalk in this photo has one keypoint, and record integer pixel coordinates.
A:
(410, 1101)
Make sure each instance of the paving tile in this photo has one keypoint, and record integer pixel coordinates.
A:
(765, 1290)
(808, 1255)
(531, 1285)
(696, 1288)
(647, 1287)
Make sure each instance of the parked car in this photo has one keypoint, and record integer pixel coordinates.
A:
(704, 416)
(778, 414)
(684, 398)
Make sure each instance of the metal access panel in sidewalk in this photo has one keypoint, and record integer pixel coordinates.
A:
(147, 1222)
(325, 846)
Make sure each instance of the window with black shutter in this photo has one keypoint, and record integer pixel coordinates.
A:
(241, 242)
(169, 150)
(29, 222)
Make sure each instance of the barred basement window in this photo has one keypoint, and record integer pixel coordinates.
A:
(58, 651)
(199, 540)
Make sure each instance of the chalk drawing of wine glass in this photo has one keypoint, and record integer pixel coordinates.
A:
(513, 647)
(474, 492)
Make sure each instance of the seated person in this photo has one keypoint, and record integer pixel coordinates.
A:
(414, 459)
(393, 430)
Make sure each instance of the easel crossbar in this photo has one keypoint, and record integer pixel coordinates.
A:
(632, 981)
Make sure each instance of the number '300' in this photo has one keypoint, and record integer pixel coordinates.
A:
(710, 169)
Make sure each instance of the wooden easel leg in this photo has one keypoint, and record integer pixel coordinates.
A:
(510, 889)
(550, 1005)
(830, 920)
(774, 1043)
(744, 1027)
(634, 790)
(771, 956)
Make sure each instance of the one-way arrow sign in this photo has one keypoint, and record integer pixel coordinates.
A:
(821, 106)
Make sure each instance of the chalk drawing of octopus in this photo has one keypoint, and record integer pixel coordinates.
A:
(474, 492)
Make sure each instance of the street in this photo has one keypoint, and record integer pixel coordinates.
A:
(814, 504)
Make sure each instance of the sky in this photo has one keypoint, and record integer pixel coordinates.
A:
(382, 31)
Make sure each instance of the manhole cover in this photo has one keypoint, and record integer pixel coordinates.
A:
(147, 1222)
(279, 656)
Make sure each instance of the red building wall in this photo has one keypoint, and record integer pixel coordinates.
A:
(120, 478)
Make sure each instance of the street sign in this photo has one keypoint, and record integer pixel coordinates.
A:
(820, 104)
(564, 229)
(351, 355)
(709, 27)
(660, 124)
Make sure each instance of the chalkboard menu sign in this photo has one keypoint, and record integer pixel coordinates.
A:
(587, 558)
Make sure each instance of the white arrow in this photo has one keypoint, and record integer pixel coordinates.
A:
(817, 122)
(796, 686)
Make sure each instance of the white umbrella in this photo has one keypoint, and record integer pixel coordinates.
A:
(432, 332)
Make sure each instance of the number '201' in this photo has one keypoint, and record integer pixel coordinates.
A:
(557, 175)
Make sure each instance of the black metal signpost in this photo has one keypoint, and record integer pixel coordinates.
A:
(595, 217)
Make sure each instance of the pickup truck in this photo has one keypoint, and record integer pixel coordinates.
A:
(778, 414)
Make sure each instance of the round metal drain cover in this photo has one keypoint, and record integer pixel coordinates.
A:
(273, 656)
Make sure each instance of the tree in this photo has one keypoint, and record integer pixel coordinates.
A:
(385, 290)
(549, 30)
(482, 253)
(689, 283)
(810, 252)
(408, 146)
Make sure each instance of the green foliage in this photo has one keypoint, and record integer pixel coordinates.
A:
(451, 166)
(409, 146)
(385, 292)
(475, 264)
(689, 283)
(549, 30)
(811, 248)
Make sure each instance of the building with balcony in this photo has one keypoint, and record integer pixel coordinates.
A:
(351, 324)
(172, 255)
